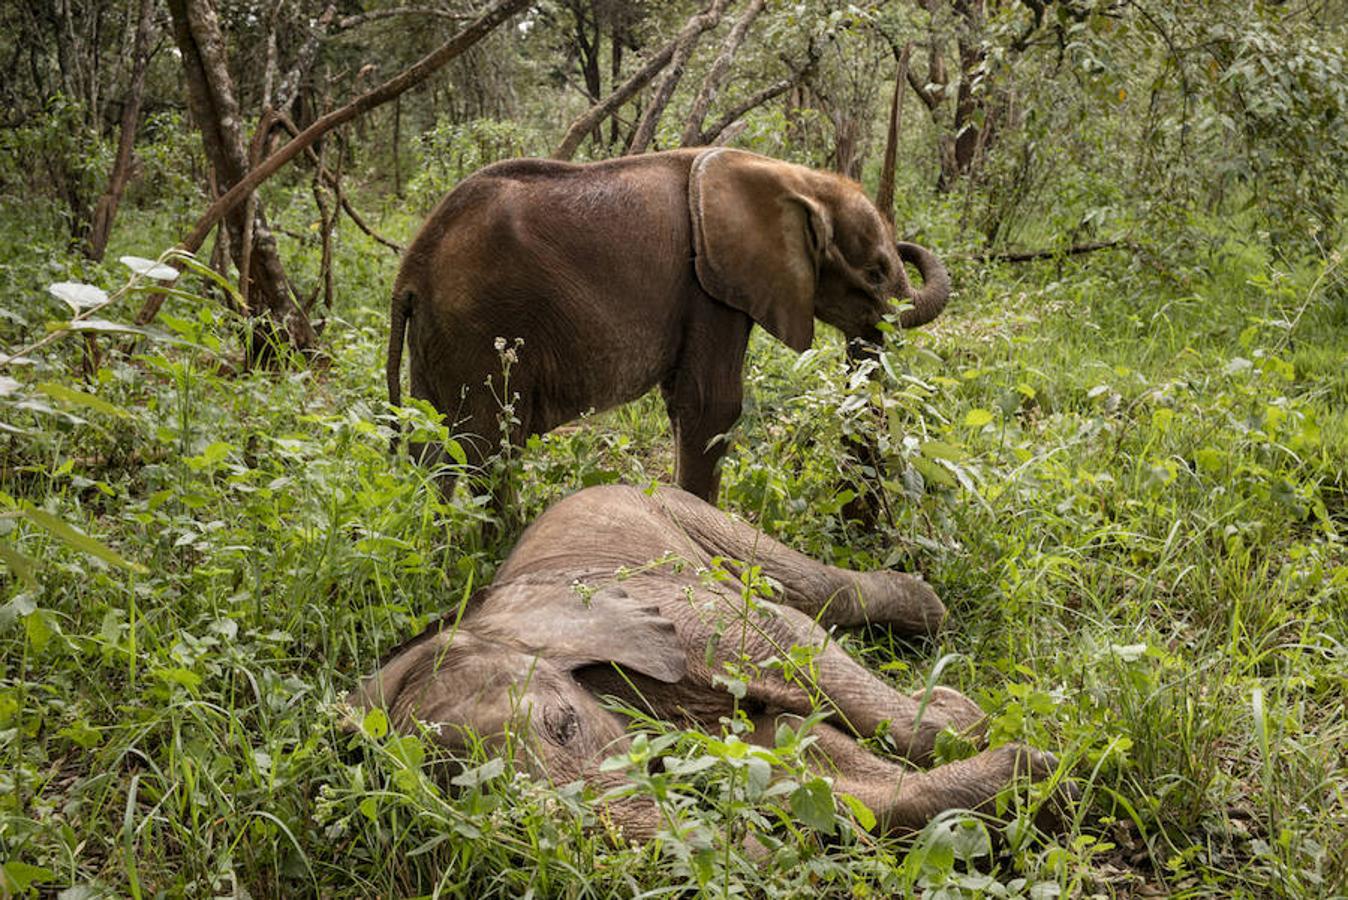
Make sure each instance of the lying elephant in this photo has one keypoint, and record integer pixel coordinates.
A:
(561, 628)
(621, 275)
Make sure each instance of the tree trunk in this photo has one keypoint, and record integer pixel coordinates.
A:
(106, 208)
(227, 204)
(211, 96)
(692, 127)
(684, 45)
(610, 104)
(884, 191)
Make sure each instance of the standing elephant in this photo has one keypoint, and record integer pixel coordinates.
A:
(603, 597)
(635, 272)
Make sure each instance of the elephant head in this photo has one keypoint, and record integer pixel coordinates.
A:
(787, 244)
(506, 671)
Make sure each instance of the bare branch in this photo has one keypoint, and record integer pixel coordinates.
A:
(483, 25)
(692, 128)
(685, 43)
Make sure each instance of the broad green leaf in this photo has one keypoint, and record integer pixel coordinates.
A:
(77, 539)
(79, 398)
(977, 418)
(375, 723)
(38, 630)
(479, 776)
(180, 676)
(860, 811)
(933, 473)
(19, 565)
(455, 450)
(812, 803)
(942, 450)
(19, 876)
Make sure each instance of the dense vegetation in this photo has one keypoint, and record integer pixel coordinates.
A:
(1121, 455)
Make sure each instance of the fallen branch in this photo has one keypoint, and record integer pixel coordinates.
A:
(409, 78)
(1032, 255)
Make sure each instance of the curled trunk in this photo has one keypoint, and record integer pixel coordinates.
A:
(930, 299)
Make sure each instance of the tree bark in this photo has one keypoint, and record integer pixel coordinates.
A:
(216, 110)
(610, 104)
(106, 208)
(715, 77)
(394, 87)
(884, 192)
(684, 45)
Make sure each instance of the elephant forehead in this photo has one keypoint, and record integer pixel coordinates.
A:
(860, 233)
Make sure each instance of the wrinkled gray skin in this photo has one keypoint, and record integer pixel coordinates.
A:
(533, 654)
(630, 273)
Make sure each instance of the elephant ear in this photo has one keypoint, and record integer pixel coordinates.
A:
(573, 628)
(759, 239)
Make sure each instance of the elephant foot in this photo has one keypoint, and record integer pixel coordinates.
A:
(902, 602)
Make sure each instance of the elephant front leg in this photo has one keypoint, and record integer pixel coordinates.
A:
(701, 425)
(861, 702)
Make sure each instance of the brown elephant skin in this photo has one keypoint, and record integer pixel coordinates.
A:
(622, 275)
(605, 596)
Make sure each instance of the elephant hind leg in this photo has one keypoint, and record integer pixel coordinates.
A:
(903, 799)
(827, 593)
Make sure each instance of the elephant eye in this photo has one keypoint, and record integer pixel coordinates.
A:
(876, 276)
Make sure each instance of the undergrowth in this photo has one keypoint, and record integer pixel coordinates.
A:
(1126, 479)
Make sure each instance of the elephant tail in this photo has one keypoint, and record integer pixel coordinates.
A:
(400, 310)
(930, 299)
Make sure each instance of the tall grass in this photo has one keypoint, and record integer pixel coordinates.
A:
(1128, 484)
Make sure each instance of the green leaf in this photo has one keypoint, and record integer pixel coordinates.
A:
(77, 539)
(860, 811)
(19, 877)
(180, 676)
(21, 566)
(455, 451)
(37, 629)
(977, 418)
(79, 398)
(812, 803)
(942, 450)
(375, 723)
(933, 473)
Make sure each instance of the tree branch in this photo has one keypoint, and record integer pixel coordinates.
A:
(483, 25)
(1032, 255)
(692, 128)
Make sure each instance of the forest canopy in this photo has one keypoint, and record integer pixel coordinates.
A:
(1119, 455)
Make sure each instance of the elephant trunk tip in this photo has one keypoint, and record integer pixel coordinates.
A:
(930, 299)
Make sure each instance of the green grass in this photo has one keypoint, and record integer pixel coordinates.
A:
(1127, 482)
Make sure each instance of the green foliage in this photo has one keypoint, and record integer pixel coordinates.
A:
(449, 152)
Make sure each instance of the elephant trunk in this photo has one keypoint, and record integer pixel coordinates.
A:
(930, 299)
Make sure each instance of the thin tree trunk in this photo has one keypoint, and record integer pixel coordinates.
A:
(211, 94)
(884, 192)
(615, 69)
(610, 104)
(106, 208)
(397, 140)
(390, 89)
(692, 128)
(684, 45)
